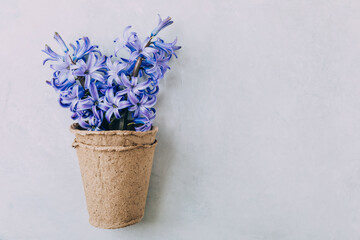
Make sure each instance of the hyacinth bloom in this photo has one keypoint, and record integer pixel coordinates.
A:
(167, 47)
(140, 48)
(53, 56)
(90, 69)
(141, 107)
(162, 24)
(59, 84)
(61, 42)
(159, 65)
(71, 97)
(114, 69)
(93, 123)
(113, 104)
(64, 68)
(126, 41)
(93, 102)
(145, 121)
(83, 48)
(132, 87)
(99, 89)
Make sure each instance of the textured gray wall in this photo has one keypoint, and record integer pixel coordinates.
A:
(259, 121)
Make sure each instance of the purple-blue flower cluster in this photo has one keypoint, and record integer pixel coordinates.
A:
(109, 92)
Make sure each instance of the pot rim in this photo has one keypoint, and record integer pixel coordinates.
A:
(74, 128)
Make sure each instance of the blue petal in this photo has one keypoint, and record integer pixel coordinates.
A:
(61, 42)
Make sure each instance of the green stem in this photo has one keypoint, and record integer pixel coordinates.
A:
(126, 119)
(135, 74)
(113, 125)
(139, 61)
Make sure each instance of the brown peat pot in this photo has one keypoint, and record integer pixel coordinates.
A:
(115, 168)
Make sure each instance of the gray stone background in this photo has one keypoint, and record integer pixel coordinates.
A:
(259, 120)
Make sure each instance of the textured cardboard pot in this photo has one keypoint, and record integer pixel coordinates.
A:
(115, 168)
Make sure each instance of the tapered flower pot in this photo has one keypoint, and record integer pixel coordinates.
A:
(115, 168)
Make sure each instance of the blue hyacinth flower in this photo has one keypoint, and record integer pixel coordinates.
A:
(162, 24)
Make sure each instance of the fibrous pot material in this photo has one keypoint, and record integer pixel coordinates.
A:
(115, 168)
